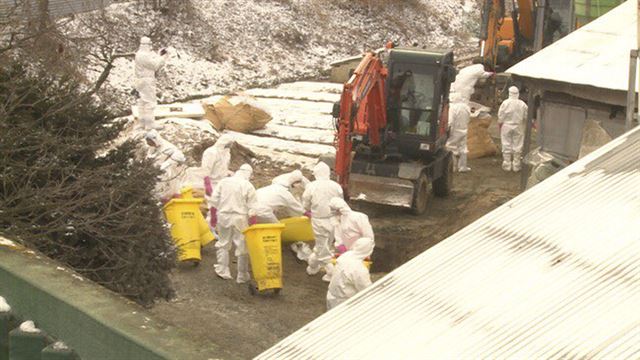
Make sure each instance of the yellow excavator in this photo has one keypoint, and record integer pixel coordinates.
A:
(510, 36)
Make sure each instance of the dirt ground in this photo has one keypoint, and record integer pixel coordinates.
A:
(226, 314)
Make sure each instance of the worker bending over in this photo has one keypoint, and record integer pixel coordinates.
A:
(278, 196)
(348, 226)
(233, 200)
(466, 80)
(459, 115)
(350, 274)
(297, 174)
(511, 119)
(315, 200)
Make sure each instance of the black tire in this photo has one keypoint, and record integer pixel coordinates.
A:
(421, 195)
(443, 185)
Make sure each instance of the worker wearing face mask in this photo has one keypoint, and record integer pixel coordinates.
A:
(233, 200)
(315, 200)
(511, 119)
(278, 196)
(146, 64)
(459, 115)
(350, 274)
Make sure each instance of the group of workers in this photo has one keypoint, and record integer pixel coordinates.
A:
(234, 204)
(511, 119)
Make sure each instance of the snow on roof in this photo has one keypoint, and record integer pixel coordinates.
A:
(596, 54)
(553, 273)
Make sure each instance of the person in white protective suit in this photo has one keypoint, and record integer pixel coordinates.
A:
(315, 200)
(350, 275)
(348, 226)
(459, 115)
(146, 64)
(278, 196)
(233, 201)
(168, 158)
(297, 174)
(213, 168)
(466, 80)
(511, 119)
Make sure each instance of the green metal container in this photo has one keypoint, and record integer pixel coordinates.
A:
(587, 10)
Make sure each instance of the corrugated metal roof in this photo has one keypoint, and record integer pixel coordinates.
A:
(553, 273)
(596, 54)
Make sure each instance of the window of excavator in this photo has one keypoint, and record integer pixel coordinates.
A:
(411, 97)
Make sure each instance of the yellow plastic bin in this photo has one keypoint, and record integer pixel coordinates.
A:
(265, 253)
(297, 229)
(189, 229)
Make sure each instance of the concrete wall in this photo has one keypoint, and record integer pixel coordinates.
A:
(341, 71)
(95, 322)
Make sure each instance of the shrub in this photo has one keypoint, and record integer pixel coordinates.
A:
(59, 194)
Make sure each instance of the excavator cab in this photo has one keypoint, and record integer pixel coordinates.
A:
(411, 160)
(417, 100)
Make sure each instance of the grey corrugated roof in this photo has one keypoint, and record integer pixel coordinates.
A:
(554, 273)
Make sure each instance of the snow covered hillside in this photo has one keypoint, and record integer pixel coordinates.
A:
(217, 46)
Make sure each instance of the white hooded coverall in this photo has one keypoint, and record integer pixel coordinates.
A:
(146, 64)
(350, 274)
(512, 115)
(277, 196)
(316, 199)
(459, 115)
(292, 177)
(168, 158)
(234, 198)
(214, 164)
(466, 80)
(349, 225)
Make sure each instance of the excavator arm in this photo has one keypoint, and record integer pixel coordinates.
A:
(505, 36)
(363, 113)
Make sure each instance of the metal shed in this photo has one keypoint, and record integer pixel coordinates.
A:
(553, 273)
(581, 82)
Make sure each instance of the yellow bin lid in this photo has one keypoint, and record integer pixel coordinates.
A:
(263, 227)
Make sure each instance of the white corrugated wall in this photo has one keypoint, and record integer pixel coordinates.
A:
(553, 273)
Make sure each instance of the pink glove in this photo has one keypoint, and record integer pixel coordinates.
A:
(253, 220)
(208, 189)
(308, 214)
(341, 249)
(214, 217)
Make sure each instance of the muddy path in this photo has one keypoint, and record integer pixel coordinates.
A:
(226, 314)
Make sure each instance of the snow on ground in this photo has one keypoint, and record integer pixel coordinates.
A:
(220, 46)
(301, 131)
(6, 242)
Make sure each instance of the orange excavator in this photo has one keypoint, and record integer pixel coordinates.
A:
(392, 128)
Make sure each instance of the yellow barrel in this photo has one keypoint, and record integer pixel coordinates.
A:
(189, 229)
(265, 252)
(297, 229)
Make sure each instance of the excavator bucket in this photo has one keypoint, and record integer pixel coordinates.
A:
(381, 190)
